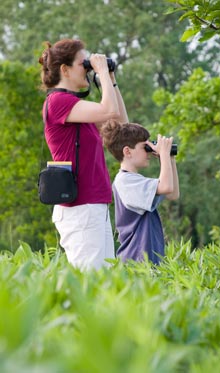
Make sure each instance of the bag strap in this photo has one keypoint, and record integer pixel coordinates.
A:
(77, 150)
(77, 144)
(77, 94)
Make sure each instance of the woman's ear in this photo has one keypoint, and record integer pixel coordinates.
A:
(64, 69)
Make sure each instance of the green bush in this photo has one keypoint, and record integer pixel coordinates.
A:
(131, 318)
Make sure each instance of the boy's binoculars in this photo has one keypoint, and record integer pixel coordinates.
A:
(173, 150)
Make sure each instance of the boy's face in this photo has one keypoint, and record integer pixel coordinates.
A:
(139, 158)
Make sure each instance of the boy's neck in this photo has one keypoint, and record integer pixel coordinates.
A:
(126, 166)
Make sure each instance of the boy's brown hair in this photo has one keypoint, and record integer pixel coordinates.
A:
(116, 136)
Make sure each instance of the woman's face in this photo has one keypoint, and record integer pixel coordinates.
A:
(77, 73)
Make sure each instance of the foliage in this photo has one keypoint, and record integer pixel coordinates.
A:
(21, 214)
(193, 112)
(215, 234)
(192, 116)
(136, 316)
(145, 44)
(137, 34)
(203, 16)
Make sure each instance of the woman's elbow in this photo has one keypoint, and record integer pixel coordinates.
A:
(114, 115)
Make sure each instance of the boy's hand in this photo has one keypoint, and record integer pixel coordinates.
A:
(162, 147)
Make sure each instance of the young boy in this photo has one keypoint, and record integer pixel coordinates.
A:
(137, 197)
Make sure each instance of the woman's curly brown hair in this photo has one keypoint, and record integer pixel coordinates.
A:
(62, 52)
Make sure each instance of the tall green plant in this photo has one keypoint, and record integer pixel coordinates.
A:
(134, 316)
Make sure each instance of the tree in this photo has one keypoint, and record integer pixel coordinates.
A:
(203, 16)
(194, 110)
(145, 44)
(138, 35)
(22, 216)
(192, 115)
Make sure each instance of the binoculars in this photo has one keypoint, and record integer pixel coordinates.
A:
(111, 64)
(173, 150)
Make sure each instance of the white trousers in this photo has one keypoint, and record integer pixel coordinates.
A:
(85, 234)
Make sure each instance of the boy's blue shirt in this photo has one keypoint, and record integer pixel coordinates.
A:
(136, 217)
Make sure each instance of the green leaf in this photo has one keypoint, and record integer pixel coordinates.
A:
(174, 10)
(189, 34)
(185, 15)
(207, 35)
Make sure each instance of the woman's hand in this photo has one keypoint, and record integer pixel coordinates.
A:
(99, 63)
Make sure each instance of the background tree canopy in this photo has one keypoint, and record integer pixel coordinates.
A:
(164, 86)
(203, 16)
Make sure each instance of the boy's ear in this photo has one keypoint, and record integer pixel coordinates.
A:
(126, 151)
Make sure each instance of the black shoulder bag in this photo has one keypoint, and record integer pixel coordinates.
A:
(57, 185)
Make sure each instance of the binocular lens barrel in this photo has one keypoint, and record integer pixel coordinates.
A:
(173, 150)
(111, 64)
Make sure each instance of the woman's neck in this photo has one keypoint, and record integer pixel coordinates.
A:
(67, 86)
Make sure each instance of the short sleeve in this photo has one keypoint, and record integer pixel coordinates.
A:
(59, 106)
(137, 192)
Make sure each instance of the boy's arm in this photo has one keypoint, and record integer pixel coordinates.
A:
(162, 148)
(168, 180)
(175, 194)
(165, 185)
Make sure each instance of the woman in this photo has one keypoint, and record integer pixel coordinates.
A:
(84, 225)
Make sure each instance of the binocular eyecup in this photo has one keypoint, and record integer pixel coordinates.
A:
(111, 64)
(173, 150)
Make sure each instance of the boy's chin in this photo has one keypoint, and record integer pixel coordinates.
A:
(143, 165)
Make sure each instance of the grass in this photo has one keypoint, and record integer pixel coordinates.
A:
(130, 318)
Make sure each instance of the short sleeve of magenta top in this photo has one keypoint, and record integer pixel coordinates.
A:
(93, 179)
